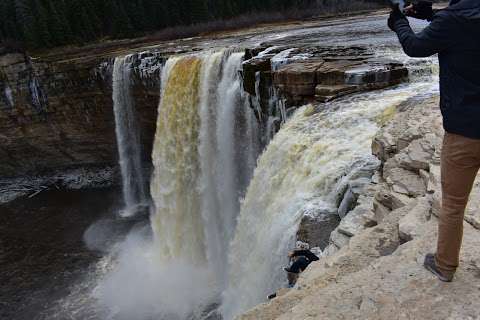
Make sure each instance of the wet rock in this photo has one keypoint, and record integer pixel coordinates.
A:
(297, 79)
(306, 74)
(251, 68)
(348, 203)
(326, 93)
(327, 80)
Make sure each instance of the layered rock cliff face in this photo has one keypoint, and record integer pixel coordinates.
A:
(372, 267)
(58, 115)
(292, 76)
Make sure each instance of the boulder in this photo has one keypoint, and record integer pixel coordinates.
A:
(338, 239)
(391, 199)
(412, 225)
(418, 155)
(356, 221)
(316, 230)
(405, 182)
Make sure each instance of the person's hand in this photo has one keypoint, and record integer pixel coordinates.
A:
(395, 15)
(422, 10)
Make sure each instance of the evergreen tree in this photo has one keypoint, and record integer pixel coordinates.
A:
(46, 23)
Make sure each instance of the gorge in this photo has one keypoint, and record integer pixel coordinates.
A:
(237, 139)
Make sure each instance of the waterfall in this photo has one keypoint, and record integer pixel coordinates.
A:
(300, 170)
(128, 140)
(205, 150)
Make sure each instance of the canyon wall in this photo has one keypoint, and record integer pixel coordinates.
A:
(58, 114)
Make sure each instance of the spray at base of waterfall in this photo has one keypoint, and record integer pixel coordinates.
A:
(140, 287)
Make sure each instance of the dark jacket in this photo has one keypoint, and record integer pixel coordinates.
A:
(305, 253)
(455, 35)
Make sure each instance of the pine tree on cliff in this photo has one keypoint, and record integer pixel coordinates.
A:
(58, 24)
(120, 22)
(84, 22)
(26, 21)
(136, 12)
(198, 11)
(42, 37)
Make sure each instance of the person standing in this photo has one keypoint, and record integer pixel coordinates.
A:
(453, 34)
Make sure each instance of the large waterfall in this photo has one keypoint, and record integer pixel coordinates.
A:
(128, 140)
(206, 144)
(300, 171)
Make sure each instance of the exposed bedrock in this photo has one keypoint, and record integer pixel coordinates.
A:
(300, 76)
(58, 115)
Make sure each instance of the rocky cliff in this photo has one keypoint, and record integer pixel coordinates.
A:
(57, 114)
(372, 267)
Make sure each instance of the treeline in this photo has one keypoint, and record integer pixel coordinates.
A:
(49, 23)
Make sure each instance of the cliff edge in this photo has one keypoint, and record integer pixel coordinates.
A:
(372, 268)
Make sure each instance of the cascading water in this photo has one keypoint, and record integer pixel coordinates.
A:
(128, 140)
(300, 171)
(203, 113)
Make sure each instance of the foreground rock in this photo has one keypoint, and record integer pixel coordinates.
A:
(376, 272)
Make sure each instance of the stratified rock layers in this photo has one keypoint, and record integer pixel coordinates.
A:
(58, 115)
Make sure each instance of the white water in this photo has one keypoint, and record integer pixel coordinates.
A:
(204, 151)
(300, 170)
(128, 140)
(198, 175)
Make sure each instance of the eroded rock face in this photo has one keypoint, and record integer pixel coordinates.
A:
(310, 74)
(376, 272)
(58, 114)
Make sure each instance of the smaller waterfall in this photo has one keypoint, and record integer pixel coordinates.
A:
(128, 139)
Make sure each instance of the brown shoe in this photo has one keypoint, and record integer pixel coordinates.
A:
(431, 266)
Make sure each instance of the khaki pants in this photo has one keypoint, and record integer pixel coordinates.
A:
(460, 165)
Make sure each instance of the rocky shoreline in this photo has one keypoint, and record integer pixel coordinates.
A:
(372, 267)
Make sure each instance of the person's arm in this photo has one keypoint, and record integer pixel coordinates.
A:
(435, 38)
(312, 257)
